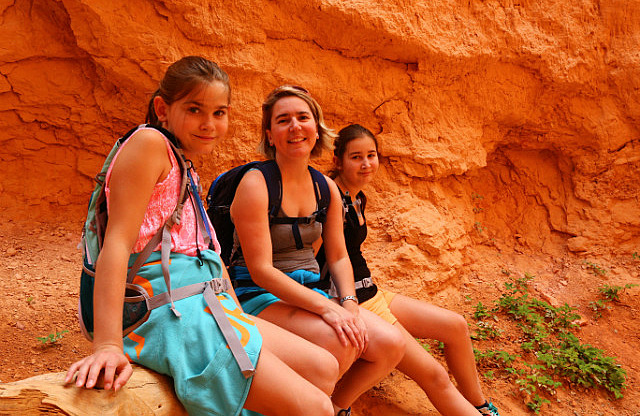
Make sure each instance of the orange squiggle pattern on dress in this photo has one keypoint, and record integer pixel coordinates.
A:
(138, 340)
(245, 336)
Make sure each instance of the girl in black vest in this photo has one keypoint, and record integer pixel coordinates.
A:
(356, 163)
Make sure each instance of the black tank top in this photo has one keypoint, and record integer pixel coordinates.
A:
(354, 236)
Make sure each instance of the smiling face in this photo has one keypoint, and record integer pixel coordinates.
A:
(199, 119)
(359, 163)
(293, 131)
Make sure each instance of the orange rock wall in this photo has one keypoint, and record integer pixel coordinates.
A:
(503, 122)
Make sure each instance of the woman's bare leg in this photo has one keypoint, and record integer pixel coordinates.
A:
(386, 347)
(305, 358)
(423, 320)
(312, 328)
(385, 350)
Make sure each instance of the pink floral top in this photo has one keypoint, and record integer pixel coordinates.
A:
(161, 205)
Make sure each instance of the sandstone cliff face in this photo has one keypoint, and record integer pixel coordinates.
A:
(508, 123)
(503, 122)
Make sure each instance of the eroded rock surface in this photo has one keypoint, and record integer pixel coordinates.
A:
(513, 124)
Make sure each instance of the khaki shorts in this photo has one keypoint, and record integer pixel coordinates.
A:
(379, 304)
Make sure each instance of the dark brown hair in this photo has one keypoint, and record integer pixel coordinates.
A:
(345, 136)
(182, 77)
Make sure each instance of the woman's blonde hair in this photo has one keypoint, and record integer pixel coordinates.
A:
(325, 134)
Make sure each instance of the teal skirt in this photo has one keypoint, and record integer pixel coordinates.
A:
(260, 299)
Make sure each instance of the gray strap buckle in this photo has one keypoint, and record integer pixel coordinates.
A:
(219, 285)
(361, 284)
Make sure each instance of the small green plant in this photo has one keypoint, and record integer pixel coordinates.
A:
(550, 353)
(612, 293)
(536, 403)
(478, 227)
(482, 312)
(598, 306)
(496, 358)
(30, 300)
(485, 330)
(53, 337)
(608, 294)
(635, 255)
(595, 268)
(438, 346)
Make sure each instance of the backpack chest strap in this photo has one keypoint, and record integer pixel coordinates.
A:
(218, 285)
(360, 284)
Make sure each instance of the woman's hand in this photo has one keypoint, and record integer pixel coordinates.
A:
(355, 310)
(117, 369)
(348, 325)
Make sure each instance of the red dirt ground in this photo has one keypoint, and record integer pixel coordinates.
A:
(39, 268)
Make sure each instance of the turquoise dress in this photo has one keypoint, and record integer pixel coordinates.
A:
(191, 349)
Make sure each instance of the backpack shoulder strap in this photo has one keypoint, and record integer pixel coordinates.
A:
(273, 179)
(323, 194)
(177, 211)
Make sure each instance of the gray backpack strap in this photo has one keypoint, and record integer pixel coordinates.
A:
(361, 284)
(165, 254)
(144, 255)
(163, 235)
(201, 221)
(229, 333)
(218, 284)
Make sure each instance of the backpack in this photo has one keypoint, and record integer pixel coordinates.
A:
(93, 231)
(137, 302)
(223, 191)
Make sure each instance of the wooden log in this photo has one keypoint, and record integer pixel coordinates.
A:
(147, 393)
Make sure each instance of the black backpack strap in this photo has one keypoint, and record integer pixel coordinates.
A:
(273, 179)
(323, 194)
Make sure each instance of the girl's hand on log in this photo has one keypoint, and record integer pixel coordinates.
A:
(111, 359)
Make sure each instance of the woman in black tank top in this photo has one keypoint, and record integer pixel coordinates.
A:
(366, 347)
(356, 162)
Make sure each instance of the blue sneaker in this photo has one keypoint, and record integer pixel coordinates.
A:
(488, 409)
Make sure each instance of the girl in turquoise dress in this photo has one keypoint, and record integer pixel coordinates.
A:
(181, 338)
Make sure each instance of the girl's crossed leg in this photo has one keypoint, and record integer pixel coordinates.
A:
(384, 351)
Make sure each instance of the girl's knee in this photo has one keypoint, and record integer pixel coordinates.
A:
(458, 327)
(437, 378)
